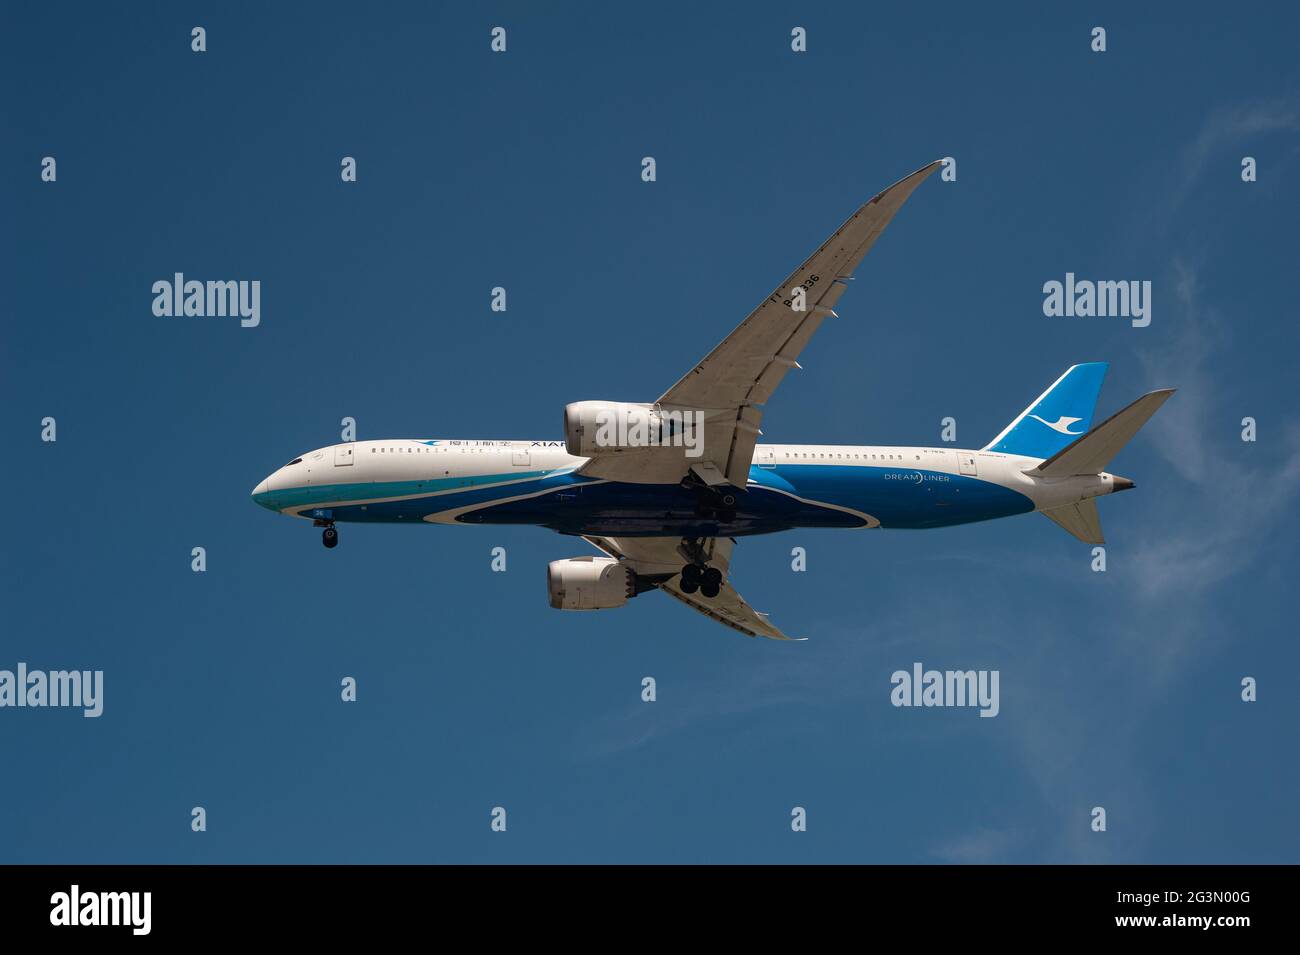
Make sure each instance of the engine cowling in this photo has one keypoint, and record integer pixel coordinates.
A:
(589, 583)
(593, 428)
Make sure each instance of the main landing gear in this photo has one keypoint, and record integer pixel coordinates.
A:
(329, 537)
(698, 575)
(707, 580)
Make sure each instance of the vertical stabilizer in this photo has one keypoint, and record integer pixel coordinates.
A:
(1060, 414)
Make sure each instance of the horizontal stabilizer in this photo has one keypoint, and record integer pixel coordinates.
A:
(1091, 453)
(1081, 520)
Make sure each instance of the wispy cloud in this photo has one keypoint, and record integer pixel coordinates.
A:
(1228, 126)
(1220, 535)
(1078, 742)
(982, 845)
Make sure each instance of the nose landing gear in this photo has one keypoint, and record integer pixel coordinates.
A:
(329, 537)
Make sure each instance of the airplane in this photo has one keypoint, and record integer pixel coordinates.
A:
(664, 490)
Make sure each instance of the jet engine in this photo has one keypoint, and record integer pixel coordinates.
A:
(593, 428)
(589, 583)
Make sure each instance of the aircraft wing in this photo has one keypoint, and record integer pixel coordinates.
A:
(651, 556)
(731, 383)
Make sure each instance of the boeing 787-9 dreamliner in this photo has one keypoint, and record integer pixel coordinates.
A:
(664, 489)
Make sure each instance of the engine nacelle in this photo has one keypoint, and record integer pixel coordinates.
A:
(593, 428)
(589, 583)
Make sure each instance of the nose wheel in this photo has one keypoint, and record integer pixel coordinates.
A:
(329, 537)
(707, 580)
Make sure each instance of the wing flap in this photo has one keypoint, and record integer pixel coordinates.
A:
(729, 609)
(661, 555)
(744, 437)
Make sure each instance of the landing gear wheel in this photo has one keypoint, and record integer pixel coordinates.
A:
(330, 537)
(711, 582)
(707, 580)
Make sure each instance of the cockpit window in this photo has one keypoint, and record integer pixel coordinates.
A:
(293, 462)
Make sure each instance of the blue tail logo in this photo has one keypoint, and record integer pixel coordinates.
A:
(1062, 413)
(1061, 424)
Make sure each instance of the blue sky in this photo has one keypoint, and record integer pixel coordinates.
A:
(522, 170)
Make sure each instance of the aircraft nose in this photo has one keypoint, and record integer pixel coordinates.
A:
(262, 494)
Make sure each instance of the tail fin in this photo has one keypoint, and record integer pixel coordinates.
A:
(1091, 453)
(1060, 414)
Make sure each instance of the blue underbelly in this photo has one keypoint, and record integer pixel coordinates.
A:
(780, 498)
(897, 496)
